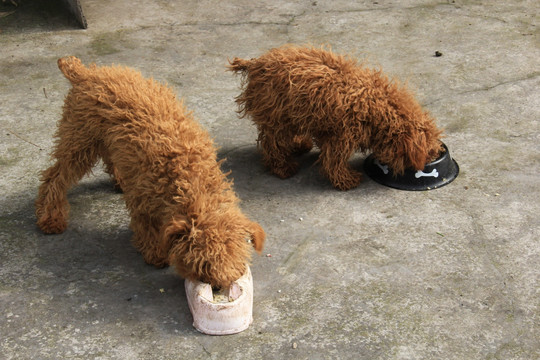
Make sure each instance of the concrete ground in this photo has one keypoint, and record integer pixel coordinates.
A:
(372, 273)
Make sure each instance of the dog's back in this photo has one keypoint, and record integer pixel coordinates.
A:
(139, 127)
(297, 86)
(121, 93)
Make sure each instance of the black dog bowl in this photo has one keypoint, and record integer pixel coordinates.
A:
(435, 174)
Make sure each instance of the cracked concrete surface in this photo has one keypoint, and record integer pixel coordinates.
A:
(372, 273)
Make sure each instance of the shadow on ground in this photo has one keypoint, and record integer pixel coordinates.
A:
(36, 16)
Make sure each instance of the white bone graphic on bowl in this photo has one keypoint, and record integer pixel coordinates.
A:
(434, 173)
(384, 168)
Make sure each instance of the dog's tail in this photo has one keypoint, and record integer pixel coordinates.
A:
(73, 69)
(239, 65)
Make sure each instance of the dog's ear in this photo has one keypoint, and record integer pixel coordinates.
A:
(175, 229)
(257, 236)
(417, 151)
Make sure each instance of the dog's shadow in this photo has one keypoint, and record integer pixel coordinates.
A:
(252, 179)
(91, 272)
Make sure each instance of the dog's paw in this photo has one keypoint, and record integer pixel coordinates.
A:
(286, 171)
(52, 224)
(157, 261)
(347, 181)
(117, 188)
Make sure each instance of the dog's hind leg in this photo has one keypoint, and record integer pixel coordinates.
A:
(75, 156)
(277, 150)
(334, 158)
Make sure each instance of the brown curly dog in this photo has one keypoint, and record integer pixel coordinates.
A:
(297, 94)
(183, 209)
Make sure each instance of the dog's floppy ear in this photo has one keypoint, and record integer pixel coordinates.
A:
(173, 231)
(417, 151)
(257, 236)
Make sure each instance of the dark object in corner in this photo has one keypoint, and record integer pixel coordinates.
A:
(75, 8)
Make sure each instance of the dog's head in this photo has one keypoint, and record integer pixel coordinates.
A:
(214, 249)
(400, 133)
(413, 145)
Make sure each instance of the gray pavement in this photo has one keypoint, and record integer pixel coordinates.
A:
(372, 273)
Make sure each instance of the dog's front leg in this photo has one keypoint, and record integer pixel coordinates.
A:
(146, 239)
(334, 158)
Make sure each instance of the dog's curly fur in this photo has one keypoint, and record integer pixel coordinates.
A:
(183, 209)
(298, 94)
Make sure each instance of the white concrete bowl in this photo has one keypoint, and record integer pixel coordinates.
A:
(215, 317)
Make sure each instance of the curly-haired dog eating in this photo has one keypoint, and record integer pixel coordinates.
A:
(296, 95)
(183, 209)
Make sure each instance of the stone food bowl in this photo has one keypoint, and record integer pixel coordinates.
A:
(435, 174)
(226, 312)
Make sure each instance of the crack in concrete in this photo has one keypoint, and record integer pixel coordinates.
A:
(491, 87)
(431, 6)
(21, 138)
(529, 77)
(290, 19)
